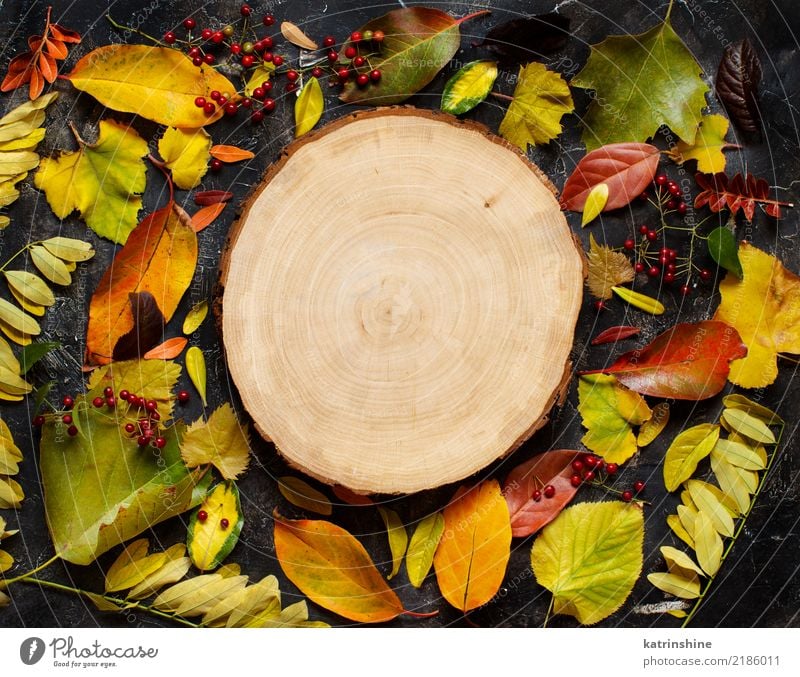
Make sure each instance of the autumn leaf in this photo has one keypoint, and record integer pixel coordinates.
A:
(308, 107)
(221, 441)
(608, 410)
(472, 556)
(764, 308)
(468, 86)
(540, 100)
(246, 605)
(159, 257)
(195, 317)
(133, 566)
(211, 539)
(225, 153)
(749, 426)
(168, 350)
(707, 147)
(422, 546)
(708, 544)
(205, 216)
(526, 39)
(334, 570)
(641, 82)
(303, 495)
(738, 77)
(185, 153)
(196, 368)
(626, 168)
(653, 427)
(258, 76)
(397, 536)
(686, 362)
(595, 202)
(150, 379)
(687, 450)
(638, 300)
(740, 193)
(590, 558)
(174, 569)
(676, 585)
(527, 514)
(607, 269)
(293, 34)
(103, 181)
(158, 83)
(614, 334)
(197, 596)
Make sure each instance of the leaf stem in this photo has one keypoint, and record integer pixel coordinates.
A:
(669, 11)
(133, 30)
(19, 253)
(5, 582)
(503, 97)
(474, 15)
(549, 611)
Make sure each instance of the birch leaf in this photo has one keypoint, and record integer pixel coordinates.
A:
(221, 441)
(686, 451)
(308, 107)
(469, 86)
(196, 368)
(303, 495)
(674, 584)
(607, 269)
(422, 546)
(398, 538)
(195, 317)
(708, 544)
(186, 154)
(210, 540)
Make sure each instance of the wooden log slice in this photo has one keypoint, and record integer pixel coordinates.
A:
(400, 296)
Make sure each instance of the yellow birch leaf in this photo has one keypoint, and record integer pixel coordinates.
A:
(738, 454)
(103, 181)
(654, 426)
(708, 543)
(186, 154)
(221, 441)
(707, 503)
(749, 426)
(595, 203)
(69, 249)
(398, 538)
(678, 559)
(303, 495)
(737, 401)
(607, 269)
(608, 410)
(308, 107)
(422, 546)
(673, 584)
(211, 539)
(590, 557)
(641, 301)
(709, 142)
(541, 99)
(195, 317)
(686, 451)
(196, 368)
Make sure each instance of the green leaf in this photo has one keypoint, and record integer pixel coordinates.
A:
(674, 584)
(641, 82)
(469, 86)
(210, 540)
(398, 538)
(308, 107)
(686, 451)
(303, 495)
(708, 544)
(751, 427)
(724, 250)
(34, 352)
(590, 557)
(422, 546)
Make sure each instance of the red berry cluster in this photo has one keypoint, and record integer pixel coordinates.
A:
(202, 516)
(358, 50)
(548, 491)
(146, 429)
(591, 468)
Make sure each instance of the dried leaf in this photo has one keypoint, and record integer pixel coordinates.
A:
(689, 448)
(204, 217)
(614, 334)
(168, 350)
(640, 301)
(133, 566)
(6, 562)
(708, 504)
(103, 181)
(53, 268)
(540, 100)
(707, 147)
(211, 197)
(607, 269)
(334, 570)
(677, 559)
(293, 34)
(185, 153)
(673, 584)
(749, 426)
(100, 602)
(30, 287)
(398, 538)
(422, 547)
(308, 107)
(196, 368)
(229, 154)
(738, 77)
(351, 497)
(608, 411)
(303, 495)
(147, 329)
(741, 193)
(708, 544)
(221, 441)
(472, 556)
(195, 317)
(211, 539)
(595, 202)
(526, 39)
(590, 558)
(737, 401)
(468, 86)
(654, 426)
(259, 599)
(738, 454)
(17, 319)
(174, 570)
(196, 596)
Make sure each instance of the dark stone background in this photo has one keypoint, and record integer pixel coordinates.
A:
(758, 585)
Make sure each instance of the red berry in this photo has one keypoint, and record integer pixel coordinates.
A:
(661, 180)
(537, 495)
(359, 61)
(673, 254)
(291, 86)
(197, 61)
(669, 277)
(248, 60)
(663, 259)
(277, 60)
(155, 416)
(599, 305)
(208, 59)
(184, 396)
(269, 105)
(142, 440)
(170, 38)
(672, 204)
(215, 95)
(108, 391)
(141, 402)
(611, 468)
(151, 405)
(350, 52)
(231, 108)
(590, 461)
(98, 402)
(671, 268)
(236, 49)
(124, 394)
(682, 208)
(246, 10)
(644, 196)
(268, 20)
(246, 102)
(68, 402)
(215, 165)
(257, 116)
(588, 476)
(577, 465)
(343, 74)
(160, 442)
(378, 36)
(652, 236)
(654, 271)
(217, 37)
(209, 108)
(639, 267)
(362, 80)
(674, 190)
(194, 51)
(129, 427)
(38, 420)
(643, 229)
(72, 431)
(549, 491)
(292, 76)
(629, 243)
(575, 480)
(328, 41)
(189, 24)
(266, 86)
(259, 93)
(705, 275)
(200, 102)
(627, 496)
(267, 56)
(316, 72)
(333, 56)
(375, 75)
(224, 523)
(202, 515)
(265, 43)
(206, 33)
(638, 486)
(356, 36)
(686, 290)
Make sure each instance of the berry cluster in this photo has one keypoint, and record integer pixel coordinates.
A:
(591, 468)
(202, 516)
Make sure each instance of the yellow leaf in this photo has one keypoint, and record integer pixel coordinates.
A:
(11, 494)
(472, 556)
(738, 454)
(422, 546)
(194, 318)
(654, 426)
(69, 249)
(749, 426)
(221, 441)
(708, 544)
(186, 154)
(737, 401)
(687, 518)
(727, 501)
(31, 287)
(686, 451)
(707, 503)
(16, 162)
(6, 561)
(5, 600)
(13, 384)
(150, 379)
(595, 203)
(133, 566)
(541, 98)
(196, 368)
(677, 559)
(398, 538)
(53, 268)
(4, 220)
(15, 318)
(673, 584)
(10, 362)
(293, 616)
(308, 107)
(243, 606)
(303, 495)
(100, 602)
(27, 110)
(174, 569)
(212, 538)
(27, 142)
(607, 269)
(103, 181)
(640, 301)
(608, 410)
(590, 557)
(709, 142)
(468, 87)
(259, 75)
(196, 596)
(158, 83)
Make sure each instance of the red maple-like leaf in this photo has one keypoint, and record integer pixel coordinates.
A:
(739, 193)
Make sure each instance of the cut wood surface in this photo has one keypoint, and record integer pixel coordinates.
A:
(399, 301)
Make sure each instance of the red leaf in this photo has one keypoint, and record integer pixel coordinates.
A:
(64, 34)
(627, 168)
(37, 84)
(19, 72)
(211, 197)
(168, 350)
(687, 362)
(552, 467)
(56, 49)
(613, 334)
(739, 193)
(48, 67)
(204, 217)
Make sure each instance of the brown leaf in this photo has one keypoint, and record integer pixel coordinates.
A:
(148, 327)
(607, 269)
(294, 35)
(738, 77)
(211, 197)
(614, 334)
(739, 193)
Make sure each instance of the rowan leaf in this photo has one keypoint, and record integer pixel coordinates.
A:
(174, 569)
(687, 450)
(654, 426)
(185, 153)
(398, 538)
(731, 482)
(751, 427)
(738, 194)
(707, 147)
(677, 560)
(607, 269)
(309, 107)
(103, 181)
(608, 411)
(196, 368)
(303, 495)
(468, 86)
(708, 543)
(158, 83)
(590, 558)
(641, 82)
(133, 566)
(540, 100)
(595, 202)
(210, 540)
(422, 547)
(159, 257)
(527, 514)
(707, 503)
(738, 454)
(195, 317)
(197, 596)
(221, 441)
(676, 585)
(334, 570)
(472, 556)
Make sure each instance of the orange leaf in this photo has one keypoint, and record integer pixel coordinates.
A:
(64, 34)
(334, 570)
(471, 559)
(205, 217)
(159, 257)
(48, 67)
(230, 153)
(19, 72)
(350, 497)
(55, 48)
(37, 84)
(168, 350)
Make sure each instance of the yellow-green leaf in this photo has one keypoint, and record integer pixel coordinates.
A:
(18, 320)
(398, 538)
(469, 86)
(185, 152)
(686, 451)
(708, 543)
(240, 608)
(673, 584)
(13, 384)
(221, 441)
(641, 301)
(131, 568)
(100, 602)
(607, 269)
(608, 410)
(174, 569)
(11, 494)
(654, 426)
(6, 561)
(103, 181)
(10, 362)
(53, 268)
(195, 317)
(590, 557)
(153, 380)
(677, 559)
(196, 596)
(28, 109)
(595, 203)
(709, 142)
(422, 546)
(708, 504)
(738, 454)
(541, 99)
(31, 287)
(737, 401)
(211, 539)
(69, 249)
(749, 426)
(196, 368)
(303, 495)
(308, 107)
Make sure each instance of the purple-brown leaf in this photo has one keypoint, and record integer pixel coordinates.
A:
(523, 40)
(738, 77)
(613, 334)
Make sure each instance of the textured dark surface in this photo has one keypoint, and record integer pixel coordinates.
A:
(758, 585)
